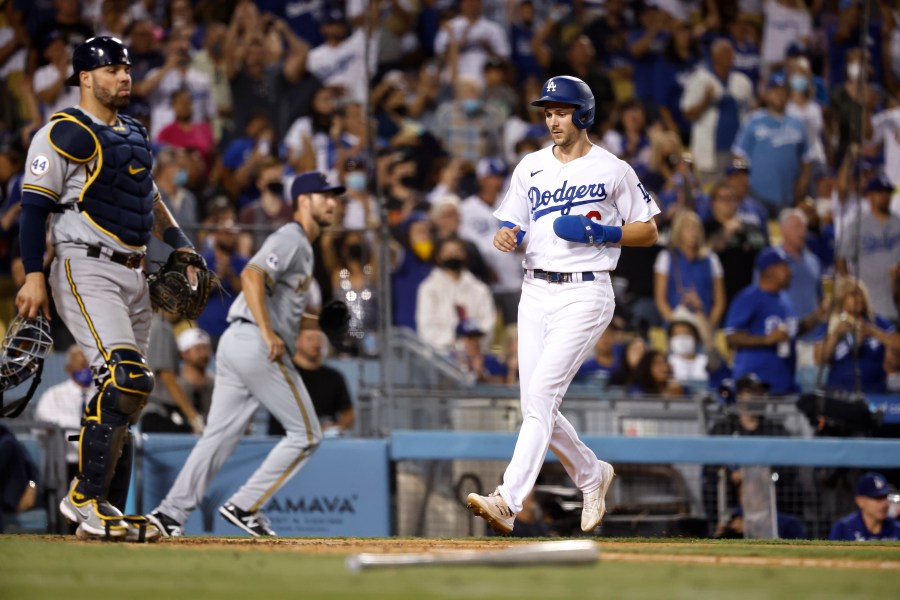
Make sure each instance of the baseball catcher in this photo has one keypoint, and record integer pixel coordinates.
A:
(182, 285)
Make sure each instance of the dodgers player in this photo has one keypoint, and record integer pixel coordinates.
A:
(253, 366)
(579, 205)
(90, 169)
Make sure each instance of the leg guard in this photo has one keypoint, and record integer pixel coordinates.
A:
(121, 479)
(106, 421)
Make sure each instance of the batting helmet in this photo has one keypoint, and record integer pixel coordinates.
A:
(97, 52)
(26, 344)
(570, 90)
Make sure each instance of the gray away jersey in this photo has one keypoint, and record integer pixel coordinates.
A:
(285, 260)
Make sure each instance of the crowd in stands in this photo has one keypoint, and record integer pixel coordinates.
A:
(765, 131)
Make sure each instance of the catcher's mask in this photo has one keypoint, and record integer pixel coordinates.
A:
(26, 345)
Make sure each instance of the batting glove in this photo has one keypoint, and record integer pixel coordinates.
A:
(581, 230)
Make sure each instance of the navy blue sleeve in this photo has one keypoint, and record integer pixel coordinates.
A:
(33, 231)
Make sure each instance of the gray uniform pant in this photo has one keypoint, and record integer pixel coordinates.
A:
(245, 377)
(105, 305)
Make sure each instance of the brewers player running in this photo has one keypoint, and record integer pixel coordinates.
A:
(579, 205)
(89, 169)
(253, 366)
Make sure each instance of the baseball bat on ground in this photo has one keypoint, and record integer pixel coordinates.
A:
(567, 552)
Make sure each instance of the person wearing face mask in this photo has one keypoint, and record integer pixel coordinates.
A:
(451, 295)
(268, 212)
(848, 101)
(360, 207)
(802, 106)
(171, 176)
(692, 354)
(467, 128)
(63, 404)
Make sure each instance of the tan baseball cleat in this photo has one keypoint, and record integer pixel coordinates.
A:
(494, 510)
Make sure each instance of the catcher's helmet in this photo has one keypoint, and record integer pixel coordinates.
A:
(26, 345)
(570, 90)
(97, 52)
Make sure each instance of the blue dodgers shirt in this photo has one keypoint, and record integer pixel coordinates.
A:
(841, 363)
(758, 312)
(852, 529)
(776, 149)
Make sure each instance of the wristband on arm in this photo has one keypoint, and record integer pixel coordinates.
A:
(519, 236)
(175, 237)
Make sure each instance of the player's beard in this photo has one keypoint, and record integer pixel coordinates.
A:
(112, 101)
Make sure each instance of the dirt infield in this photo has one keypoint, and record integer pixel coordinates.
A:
(823, 556)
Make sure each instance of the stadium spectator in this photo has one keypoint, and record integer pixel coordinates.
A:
(687, 274)
(267, 212)
(743, 33)
(168, 408)
(692, 354)
(607, 356)
(63, 404)
(67, 20)
(645, 45)
(761, 327)
(851, 104)
(805, 289)
(445, 217)
(341, 60)
(609, 34)
(735, 241)
(176, 73)
(18, 476)
(326, 386)
(802, 105)
(469, 355)
(171, 176)
(625, 375)
(497, 93)
(855, 340)
(143, 49)
(749, 209)
(451, 295)
(210, 60)
(312, 141)
(653, 376)
(352, 264)
(842, 37)
(360, 206)
(785, 22)
(185, 132)
(249, 74)
(477, 224)
(776, 147)
(681, 189)
(870, 249)
(195, 348)
(412, 263)
(222, 257)
(473, 38)
(629, 139)
(871, 521)
(467, 128)
(716, 96)
(50, 80)
(521, 33)
(671, 71)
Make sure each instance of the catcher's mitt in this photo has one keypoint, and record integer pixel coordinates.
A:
(334, 321)
(170, 288)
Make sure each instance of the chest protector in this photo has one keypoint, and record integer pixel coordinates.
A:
(118, 193)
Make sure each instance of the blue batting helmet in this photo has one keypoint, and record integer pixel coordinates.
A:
(97, 52)
(570, 90)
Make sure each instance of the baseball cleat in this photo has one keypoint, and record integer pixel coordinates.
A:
(494, 510)
(141, 530)
(167, 526)
(255, 523)
(95, 519)
(594, 506)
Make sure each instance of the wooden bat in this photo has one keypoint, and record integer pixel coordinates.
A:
(566, 552)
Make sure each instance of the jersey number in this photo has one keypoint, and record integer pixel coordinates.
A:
(39, 164)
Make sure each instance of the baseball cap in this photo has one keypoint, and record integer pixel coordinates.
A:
(872, 485)
(879, 183)
(770, 257)
(777, 79)
(313, 182)
(750, 381)
(490, 166)
(189, 338)
(738, 165)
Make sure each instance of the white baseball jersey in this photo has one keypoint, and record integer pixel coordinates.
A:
(597, 185)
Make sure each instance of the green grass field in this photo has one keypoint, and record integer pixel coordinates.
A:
(55, 568)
